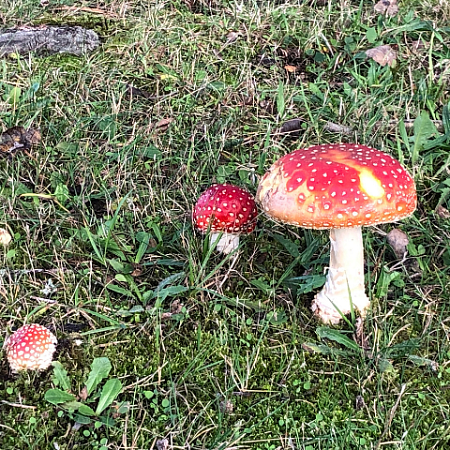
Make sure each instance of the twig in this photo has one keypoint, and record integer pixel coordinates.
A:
(409, 126)
(76, 9)
(18, 405)
(391, 415)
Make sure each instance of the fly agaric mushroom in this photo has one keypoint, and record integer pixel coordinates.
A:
(31, 347)
(226, 211)
(340, 187)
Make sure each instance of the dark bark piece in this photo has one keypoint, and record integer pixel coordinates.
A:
(16, 138)
(47, 40)
(292, 127)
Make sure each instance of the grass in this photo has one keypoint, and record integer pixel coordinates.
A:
(211, 355)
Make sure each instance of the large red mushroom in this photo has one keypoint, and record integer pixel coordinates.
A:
(31, 347)
(226, 211)
(340, 187)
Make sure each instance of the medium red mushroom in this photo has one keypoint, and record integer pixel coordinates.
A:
(31, 347)
(226, 211)
(340, 187)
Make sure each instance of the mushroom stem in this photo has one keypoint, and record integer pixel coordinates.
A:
(344, 287)
(226, 242)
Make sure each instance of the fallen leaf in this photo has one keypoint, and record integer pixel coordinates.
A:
(176, 307)
(163, 123)
(398, 240)
(5, 237)
(359, 403)
(232, 36)
(16, 138)
(383, 55)
(360, 338)
(387, 7)
(226, 407)
(290, 69)
(165, 316)
(83, 395)
(442, 212)
(162, 444)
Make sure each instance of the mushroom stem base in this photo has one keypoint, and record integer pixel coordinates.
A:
(344, 287)
(226, 242)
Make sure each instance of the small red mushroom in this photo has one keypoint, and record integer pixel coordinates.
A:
(226, 211)
(339, 187)
(31, 347)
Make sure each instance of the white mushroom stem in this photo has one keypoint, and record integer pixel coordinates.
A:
(226, 242)
(344, 287)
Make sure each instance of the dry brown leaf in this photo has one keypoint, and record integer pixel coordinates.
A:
(83, 395)
(387, 7)
(398, 240)
(226, 407)
(176, 307)
(162, 444)
(232, 36)
(359, 403)
(442, 212)
(5, 237)
(290, 69)
(16, 138)
(383, 55)
(163, 123)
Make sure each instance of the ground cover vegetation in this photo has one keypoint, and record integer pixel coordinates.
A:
(204, 351)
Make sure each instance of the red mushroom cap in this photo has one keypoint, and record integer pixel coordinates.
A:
(337, 186)
(225, 207)
(30, 347)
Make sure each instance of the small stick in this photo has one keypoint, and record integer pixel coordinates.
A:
(391, 415)
(18, 405)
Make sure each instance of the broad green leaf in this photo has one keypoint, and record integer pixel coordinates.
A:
(172, 279)
(71, 406)
(60, 377)
(57, 396)
(290, 246)
(151, 152)
(312, 347)
(110, 391)
(118, 266)
(86, 410)
(424, 129)
(119, 290)
(144, 239)
(305, 283)
(337, 336)
(108, 421)
(62, 193)
(100, 369)
(371, 35)
(171, 291)
(164, 262)
(419, 361)
(14, 96)
(384, 365)
(83, 420)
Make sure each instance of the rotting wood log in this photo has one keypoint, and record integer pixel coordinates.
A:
(47, 40)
